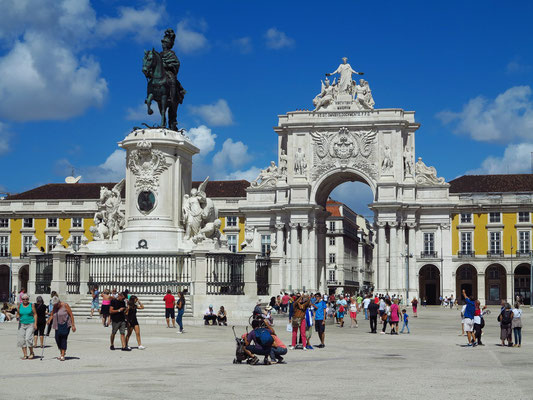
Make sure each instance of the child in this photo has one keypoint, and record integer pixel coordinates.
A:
(405, 321)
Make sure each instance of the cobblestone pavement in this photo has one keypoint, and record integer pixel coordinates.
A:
(429, 362)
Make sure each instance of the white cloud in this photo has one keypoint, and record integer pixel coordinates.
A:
(190, 37)
(516, 66)
(516, 159)
(356, 195)
(249, 174)
(509, 116)
(216, 114)
(112, 169)
(4, 138)
(244, 44)
(276, 39)
(234, 154)
(142, 23)
(202, 138)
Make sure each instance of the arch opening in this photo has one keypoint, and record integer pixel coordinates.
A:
(466, 278)
(4, 283)
(429, 284)
(495, 284)
(522, 282)
(23, 277)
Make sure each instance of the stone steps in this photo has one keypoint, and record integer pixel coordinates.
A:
(154, 307)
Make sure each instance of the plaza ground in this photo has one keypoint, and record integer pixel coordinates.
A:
(429, 362)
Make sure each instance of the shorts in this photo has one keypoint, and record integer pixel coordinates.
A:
(118, 326)
(469, 325)
(132, 323)
(353, 314)
(169, 313)
(40, 329)
(95, 305)
(319, 326)
(340, 315)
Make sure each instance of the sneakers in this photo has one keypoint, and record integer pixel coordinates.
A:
(141, 347)
(305, 348)
(126, 349)
(254, 361)
(382, 332)
(111, 347)
(291, 347)
(178, 332)
(309, 347)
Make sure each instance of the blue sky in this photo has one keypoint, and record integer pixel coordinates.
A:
(71, 85)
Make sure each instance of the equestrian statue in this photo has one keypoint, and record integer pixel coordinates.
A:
(161, 70)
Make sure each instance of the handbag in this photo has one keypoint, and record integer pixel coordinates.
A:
(62, 329)
(289, 327)
(384, 317)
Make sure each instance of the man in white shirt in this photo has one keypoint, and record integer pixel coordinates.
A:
(366, 302)
(210, 315)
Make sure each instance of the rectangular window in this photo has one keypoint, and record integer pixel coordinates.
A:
(466, 242)
(4, 222)
(231, 221)
(332, 275)
(76, 242)
(4, 246)
(524, 245)
(77, 222)
(495, 242)
(26, 244)
(466, 218)
(429, 243)
(232, 243)
(265, 245)
(51, 243)
(28, 223)
(332, 258)
(332, 241)
(495, 217)
(523, 216)
(52, 222)
(332, 226)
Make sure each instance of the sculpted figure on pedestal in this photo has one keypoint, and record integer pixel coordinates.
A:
(300, 165)
(427, 175)
(364, 97)
(387, 164)
(211, 230)
(283, 162)
(326, 95)
(408, 161)
(109, 220)
(267, 177)
(345, 81)
(198, 210)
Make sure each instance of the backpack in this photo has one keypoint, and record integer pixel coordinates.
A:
(506, 317)
(264, 337)
(482, 323)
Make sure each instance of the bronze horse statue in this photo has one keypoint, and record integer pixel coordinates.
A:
(159, 89)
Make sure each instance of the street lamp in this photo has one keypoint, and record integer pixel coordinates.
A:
(407, 257)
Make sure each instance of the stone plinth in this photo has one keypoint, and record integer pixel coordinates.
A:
(158, 175)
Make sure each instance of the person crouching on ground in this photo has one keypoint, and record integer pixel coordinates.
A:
(210, 316)
(262, 343)
(278, 348)
(298, 320)
(222, 317)
(62, 321)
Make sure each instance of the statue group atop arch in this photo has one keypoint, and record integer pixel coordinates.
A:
(344, 91)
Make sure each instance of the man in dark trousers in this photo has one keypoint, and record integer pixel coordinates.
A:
(373, 316)
(118, 321)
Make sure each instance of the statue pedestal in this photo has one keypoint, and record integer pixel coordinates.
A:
(158, 175)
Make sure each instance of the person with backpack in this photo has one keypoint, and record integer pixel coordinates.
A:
(506, 318)
(262, 343)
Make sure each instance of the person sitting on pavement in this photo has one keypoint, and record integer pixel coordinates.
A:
(262, 343)
(222, 316)
(210, 316)
(267, 315)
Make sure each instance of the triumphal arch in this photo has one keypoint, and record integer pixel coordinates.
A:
(345, 138)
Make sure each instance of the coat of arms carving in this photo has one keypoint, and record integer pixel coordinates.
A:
(147, 165)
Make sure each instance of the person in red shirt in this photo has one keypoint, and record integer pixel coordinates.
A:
(170, 304)
(285, 303)
(376, 299)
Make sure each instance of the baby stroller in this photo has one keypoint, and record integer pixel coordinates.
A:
(240, 355)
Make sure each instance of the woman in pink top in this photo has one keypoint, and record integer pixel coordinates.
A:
(394, 317)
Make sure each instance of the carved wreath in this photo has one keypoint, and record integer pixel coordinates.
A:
(147, 165)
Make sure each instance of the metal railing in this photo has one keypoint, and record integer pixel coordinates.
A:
(495, 253)
(466, 254)
(43, 274)
(142, 274)
(225, 274)
(72, 273)
(429, 254)
(523, 253)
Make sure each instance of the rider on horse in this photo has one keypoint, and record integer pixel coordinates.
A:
(172, 66)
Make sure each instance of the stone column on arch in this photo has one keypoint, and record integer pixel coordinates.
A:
(400, 259)
(321, 254)
(480, 286)
(293, 278)
(312, 259)
(413, 282)
(382, 277)
(280, 243)
(306, 269)
(393, 258)
(509, 280)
